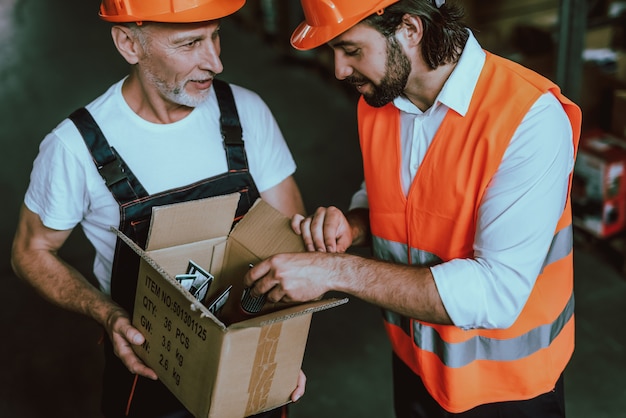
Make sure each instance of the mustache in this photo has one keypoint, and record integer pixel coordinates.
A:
(356, 79)
(209, 76)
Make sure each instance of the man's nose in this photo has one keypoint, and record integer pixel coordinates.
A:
(210, 58)
(342, 69)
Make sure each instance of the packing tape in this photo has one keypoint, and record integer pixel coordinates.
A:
(263, 369)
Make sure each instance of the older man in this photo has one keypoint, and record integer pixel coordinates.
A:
(168, 132)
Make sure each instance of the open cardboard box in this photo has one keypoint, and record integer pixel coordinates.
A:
(215, 368)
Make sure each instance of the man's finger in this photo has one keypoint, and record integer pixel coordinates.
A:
(295, 223)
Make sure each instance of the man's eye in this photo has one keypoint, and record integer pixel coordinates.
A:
(352, 52)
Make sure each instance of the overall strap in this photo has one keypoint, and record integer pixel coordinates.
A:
(118, 177)
(230, 126)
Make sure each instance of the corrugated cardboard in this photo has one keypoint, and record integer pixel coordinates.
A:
(599, 185)
(217, 369)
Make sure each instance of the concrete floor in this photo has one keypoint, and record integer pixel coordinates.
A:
(54, 59)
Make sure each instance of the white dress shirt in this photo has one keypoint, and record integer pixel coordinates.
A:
(519, 212)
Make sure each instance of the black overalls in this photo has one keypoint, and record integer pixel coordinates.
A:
(150, 398)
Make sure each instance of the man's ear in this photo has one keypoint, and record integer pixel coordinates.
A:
(126, 43)
(412, 29)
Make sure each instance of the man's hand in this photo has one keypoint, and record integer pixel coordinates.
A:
(295, 277)
(123, 336)
(327, 230)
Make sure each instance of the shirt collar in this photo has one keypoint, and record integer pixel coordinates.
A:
(458, 90)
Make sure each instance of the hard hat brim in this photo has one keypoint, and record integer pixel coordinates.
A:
(197, 14)
(306, 36)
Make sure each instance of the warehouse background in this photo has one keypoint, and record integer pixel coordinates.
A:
(55, 57)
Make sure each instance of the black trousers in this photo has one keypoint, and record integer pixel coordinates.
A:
(412, 400)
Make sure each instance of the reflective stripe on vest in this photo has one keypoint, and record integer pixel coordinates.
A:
(562, 244)
(479, 347)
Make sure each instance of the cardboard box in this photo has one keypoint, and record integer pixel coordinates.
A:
(214, 368)
(599, 184)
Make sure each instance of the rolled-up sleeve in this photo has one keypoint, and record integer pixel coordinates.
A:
(516, 223)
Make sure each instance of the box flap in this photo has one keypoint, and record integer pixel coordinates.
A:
(288, 313)
(264, 231)
(194, 304)
(191, 221)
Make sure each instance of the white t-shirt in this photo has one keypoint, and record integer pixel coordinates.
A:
(66, 189)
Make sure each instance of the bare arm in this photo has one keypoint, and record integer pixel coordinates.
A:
(408, 290)
(285, 197)
(35, 259)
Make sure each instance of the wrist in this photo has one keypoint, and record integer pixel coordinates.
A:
(105, 311)
(358, 219)
(344, 270)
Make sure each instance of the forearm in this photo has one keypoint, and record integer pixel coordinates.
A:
(35, 259)
(407, 290)
(63, 285)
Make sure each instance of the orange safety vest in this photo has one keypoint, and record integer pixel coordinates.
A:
(437, 222)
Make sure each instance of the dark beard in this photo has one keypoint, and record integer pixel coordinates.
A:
(397, 70)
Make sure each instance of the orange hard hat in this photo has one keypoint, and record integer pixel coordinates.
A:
(326, 19)
(167, 11)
